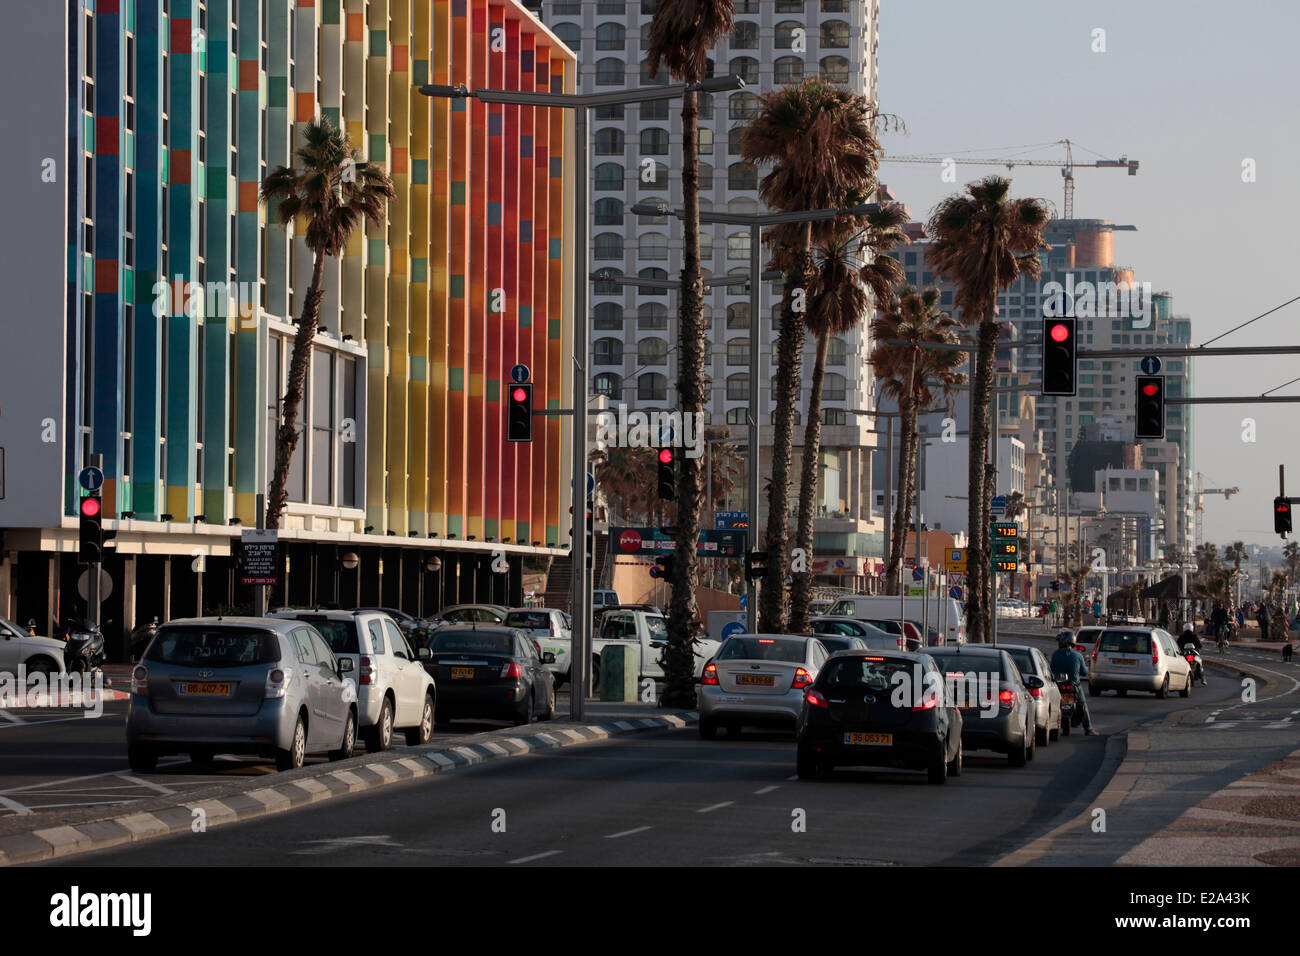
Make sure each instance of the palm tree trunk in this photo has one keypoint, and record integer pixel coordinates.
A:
(789, 355)
(801, 583)
(978, 557)
(692, 386)
(286, 436)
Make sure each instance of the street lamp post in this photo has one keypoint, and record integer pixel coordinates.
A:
(581, 103)
(755, 222)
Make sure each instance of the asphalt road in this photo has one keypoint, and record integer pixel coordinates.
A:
(672, 798)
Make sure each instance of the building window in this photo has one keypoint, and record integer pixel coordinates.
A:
(736, 416)
(789, 6)
(738, 316)
(837, 352)
(609, 176)
(652, 387)
(789, 69)
(744, 36)
(652, 352)
(738, 246)
(322, 428)
(610, 72)
(653, 180)
(652, 273)
(742, 176)
(653, 245)
(654, 110)
(608, 317)
(834, 416)
(742, 106)
(645, 34)
(835, 35)
(608, 286)
(706, 175)
(610, 36)
(745, 67)
(652, 315)
(609, 245)
(609, 141)
(834, 69)
(835, 6)
(608, 384)
(609, 352)
(785, 33)
(738, 352)
(705, 143)
(705, 103)
(833, 389)
(654, 141)
(609, 212)
(614, 112)
(659, 79)
(706, 248)
(738, 387)
(570, 35)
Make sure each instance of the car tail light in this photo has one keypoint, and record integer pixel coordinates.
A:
(1035, 692)
(277, 683)
(1095, 648)
(801, 679)
(815, 699)
(538, 648)
(1155, 654)
(511, 669)
(140, 681)
(710, 675)
(369, 671)
(929, 702)
(1006, 698)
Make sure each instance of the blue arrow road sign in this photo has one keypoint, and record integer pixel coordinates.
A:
(519, 374)
(1151, 365)
(91, 478)
(731, 627)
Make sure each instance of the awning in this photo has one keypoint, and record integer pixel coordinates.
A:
(1168, 589)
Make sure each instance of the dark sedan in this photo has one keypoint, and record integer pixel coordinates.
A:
(490, 672)
(997, 710)
(879, 709)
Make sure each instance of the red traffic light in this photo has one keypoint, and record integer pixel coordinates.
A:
(1059, 333)
(519, 395)
(1150, 389)
(90, 507)
(666, 456)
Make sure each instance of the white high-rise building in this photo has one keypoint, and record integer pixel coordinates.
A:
(633, 331)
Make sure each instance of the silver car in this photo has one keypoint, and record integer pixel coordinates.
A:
(1047, 699)
(759, 680)
(245, 685)
(1142, 658)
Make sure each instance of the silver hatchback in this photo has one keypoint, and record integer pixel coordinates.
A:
(759, 680)
(1138, 658)
(242, 685)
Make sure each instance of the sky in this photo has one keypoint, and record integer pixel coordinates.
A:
(1192, 90)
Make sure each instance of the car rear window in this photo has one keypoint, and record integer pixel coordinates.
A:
(763, 649)
(974, 664)
(834, 644)
(341, 636)
(889, 627)
(1125, 642)
(657, 628)
(859, 673)
(1024, 662)
(213, 647)
(529, 620)
(477, 642)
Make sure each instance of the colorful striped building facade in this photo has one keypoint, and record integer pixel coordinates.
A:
(182, 288)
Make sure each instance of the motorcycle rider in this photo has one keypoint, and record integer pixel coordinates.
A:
(1066, 660)
(1189, 638)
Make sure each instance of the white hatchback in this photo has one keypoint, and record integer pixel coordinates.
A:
(1138, 658)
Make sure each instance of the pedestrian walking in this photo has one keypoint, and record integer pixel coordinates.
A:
(1262, 619)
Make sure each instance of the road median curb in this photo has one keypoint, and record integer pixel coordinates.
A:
(330, 780)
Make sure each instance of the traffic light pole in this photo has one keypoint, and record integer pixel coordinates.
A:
(93, 571)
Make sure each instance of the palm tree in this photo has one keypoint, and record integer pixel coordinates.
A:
(1291, 557)
(820, 144)
(906, 372)
(1236, 553)
(984, 241)
(842, 293)
(626, 477)
(680, 36)
(332, 191)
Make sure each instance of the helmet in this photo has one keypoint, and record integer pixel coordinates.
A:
(1064, 638)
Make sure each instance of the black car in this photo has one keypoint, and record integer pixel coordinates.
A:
(879, 709)
(997, 710)
(490, 672)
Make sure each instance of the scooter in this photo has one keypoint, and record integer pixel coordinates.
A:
(1071, 712)
(1198, 666)
(84, 653)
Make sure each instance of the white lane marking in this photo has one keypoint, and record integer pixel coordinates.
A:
(793, 776)
(767, 790)
(10, 717)
(149, 784)
(615, 836)
(535, 856)
(93, 776)
(716, 806)
(14, 805)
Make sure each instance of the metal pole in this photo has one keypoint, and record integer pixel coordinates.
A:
(889, 486)
(580, 635)
(95, 570)
(755, 400)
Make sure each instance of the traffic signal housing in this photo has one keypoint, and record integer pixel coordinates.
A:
(755, 565)
(1150, 407)
(667, 474)
(519, 412)
(1060, 360)
(1282, 516)
(90, 549)
(663, 567)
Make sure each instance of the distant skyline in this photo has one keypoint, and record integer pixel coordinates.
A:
(1189, 89)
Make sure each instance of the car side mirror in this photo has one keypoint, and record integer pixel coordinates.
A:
(658, 643)
(345, 665)
(1034, 682)
(423, 654)
(548, 658)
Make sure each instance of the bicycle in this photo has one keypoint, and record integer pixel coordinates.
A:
(1223, 639)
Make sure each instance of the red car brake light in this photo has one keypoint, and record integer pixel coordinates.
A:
(367, 672)
(1155, 653)
(1035, 692)
(801, 679)
(710, 675)
(1006, 698)
(815, 699)
(511, 669)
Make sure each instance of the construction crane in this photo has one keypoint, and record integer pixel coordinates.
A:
(1067, 168)
(1201, 490)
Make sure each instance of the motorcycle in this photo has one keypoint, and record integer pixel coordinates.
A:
(84, 652)
(1071, 712)
(1193, 656)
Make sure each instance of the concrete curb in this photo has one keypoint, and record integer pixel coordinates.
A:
(332, 780)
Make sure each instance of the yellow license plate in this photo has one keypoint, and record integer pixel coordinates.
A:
(879, 740)
(756, 680)
(462, 673)
(193, 688)
(1125, 660)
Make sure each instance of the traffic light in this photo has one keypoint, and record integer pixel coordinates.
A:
(755, 565)
(1282, 515)
(519, 412)
(91, 538)
(667, 474)
(1150, 407)
(590, 524)
(1060, 362)
(663, 567)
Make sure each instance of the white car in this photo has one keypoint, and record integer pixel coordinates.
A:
(34, 654)
(394, 691)
(1137, 657)
(759, 680)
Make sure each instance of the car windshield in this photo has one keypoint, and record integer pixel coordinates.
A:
(341, 636)
(862, 674)
(657, 628)
(1125, 642)
(763, 649)
(476, 642)
(889, 627)
(1024, 662)
(529, 620)
(213, 647)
